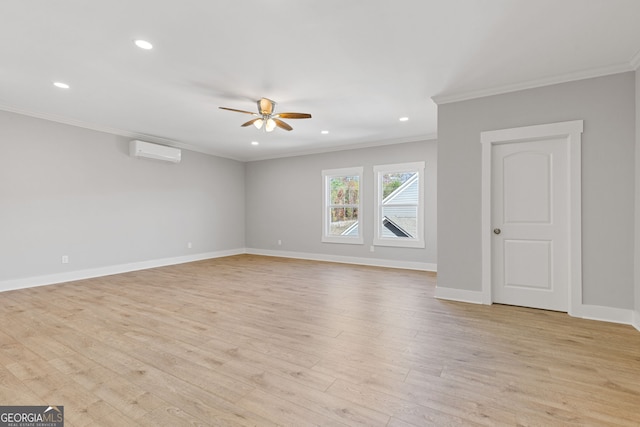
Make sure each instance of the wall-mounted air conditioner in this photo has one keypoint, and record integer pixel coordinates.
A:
(154, 151)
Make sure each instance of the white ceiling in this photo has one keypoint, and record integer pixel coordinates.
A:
(356, 65)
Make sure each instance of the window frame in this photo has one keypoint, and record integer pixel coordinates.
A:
(327, 205)
(378, 238)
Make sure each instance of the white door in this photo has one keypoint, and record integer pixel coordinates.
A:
(530, 223)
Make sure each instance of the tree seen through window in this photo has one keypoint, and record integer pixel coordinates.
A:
(345, 198)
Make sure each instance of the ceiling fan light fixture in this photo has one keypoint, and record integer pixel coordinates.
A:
(271, 125)
(258, 123)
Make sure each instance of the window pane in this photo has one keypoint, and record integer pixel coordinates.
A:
(399, 217)
(392, 181)
(399, 221)
(345, 190)
(343, 221)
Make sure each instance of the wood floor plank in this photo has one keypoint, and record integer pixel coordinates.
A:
(323, 403)
(13, 391)
(258, 341)
(172, 416)
(393, 406)
(284, 412)
(132, 400)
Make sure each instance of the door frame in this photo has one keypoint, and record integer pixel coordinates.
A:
(571, 132)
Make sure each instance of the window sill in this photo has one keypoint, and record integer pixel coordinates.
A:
(343, 240)
(399, 243)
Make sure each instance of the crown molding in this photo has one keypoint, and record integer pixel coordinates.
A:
(114, 131)
(190, 147)
(532, 84)
(356, 146)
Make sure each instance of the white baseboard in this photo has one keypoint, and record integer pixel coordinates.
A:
(375, 262)
(606, 314)
(591, 312)
(29, 282)
(461, 295)
(50, 279)
(636, 320)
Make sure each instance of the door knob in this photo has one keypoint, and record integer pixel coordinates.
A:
(497, 231)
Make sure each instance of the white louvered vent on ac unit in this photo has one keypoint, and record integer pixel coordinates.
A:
(154, 151)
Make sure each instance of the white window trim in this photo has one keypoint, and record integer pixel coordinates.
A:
(326, 174)
(378, 240)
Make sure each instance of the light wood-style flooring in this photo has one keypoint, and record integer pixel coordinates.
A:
(261, 341)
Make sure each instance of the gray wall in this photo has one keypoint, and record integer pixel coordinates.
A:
(284, 201)
(607, 106)
(70, 191)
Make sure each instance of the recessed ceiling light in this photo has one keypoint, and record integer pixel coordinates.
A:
(403, 119)
(324, 132)
(143, 44)
(255, 143)
(61, 85)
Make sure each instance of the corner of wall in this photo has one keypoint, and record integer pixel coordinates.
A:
(636, 313)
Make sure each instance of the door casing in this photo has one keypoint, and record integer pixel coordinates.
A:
(570, 131)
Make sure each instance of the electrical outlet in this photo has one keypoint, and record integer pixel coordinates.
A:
(65, 259)
(189, 245)
(372, 248)
(279, 242)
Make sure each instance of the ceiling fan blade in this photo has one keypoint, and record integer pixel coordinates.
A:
(282, 125)
(238, 111)
(265, 106)
(250, 122)
(294, 115)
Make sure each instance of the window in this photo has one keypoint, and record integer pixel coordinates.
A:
(399, 215)
(342, 206)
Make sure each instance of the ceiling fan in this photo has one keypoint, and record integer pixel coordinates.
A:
(266, 116)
